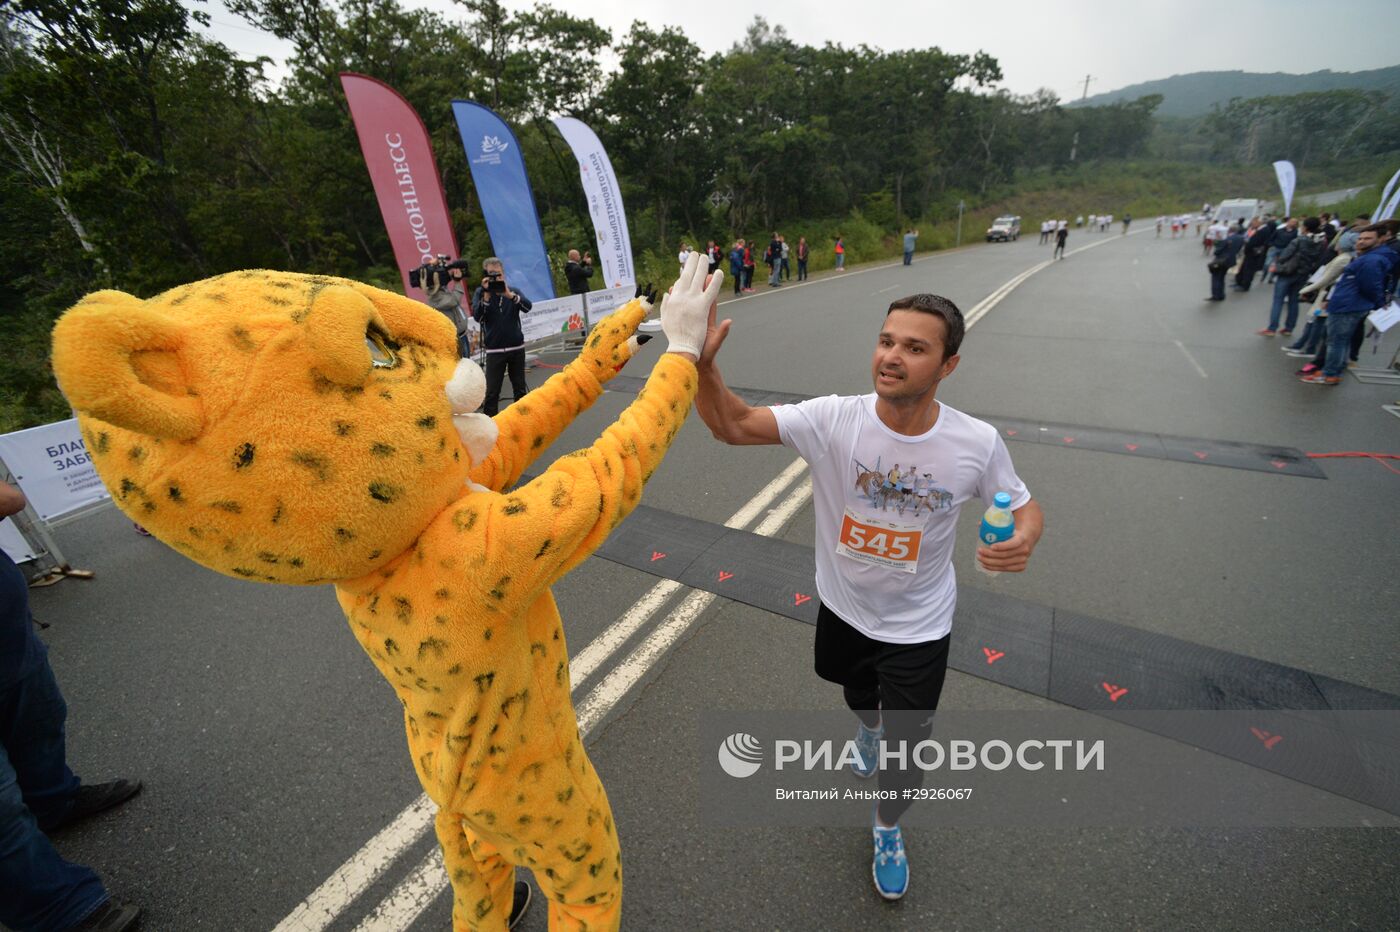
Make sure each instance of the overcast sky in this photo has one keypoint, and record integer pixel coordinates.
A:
(1039, 43)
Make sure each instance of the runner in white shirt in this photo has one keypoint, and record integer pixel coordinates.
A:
(884, 569)
(684, 255)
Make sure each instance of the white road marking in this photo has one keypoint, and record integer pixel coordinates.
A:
(604, 645)
(1192, 359)
(980, 309)
(883, 290)
(406, 902)
(410, 898)
(631, 669)
(351, 879)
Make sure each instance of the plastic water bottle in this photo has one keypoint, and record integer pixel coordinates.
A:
(998, 524)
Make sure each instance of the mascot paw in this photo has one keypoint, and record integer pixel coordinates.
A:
(611, 343)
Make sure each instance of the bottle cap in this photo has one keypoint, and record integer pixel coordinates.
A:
(1002, 499)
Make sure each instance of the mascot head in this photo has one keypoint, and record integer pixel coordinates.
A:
(273, 426)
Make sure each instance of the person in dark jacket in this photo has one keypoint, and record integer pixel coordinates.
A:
(497, 308)
(1256, 244)
(773, 255)
(578, 271)
(1226, 250)
(1359, 290)
(1298, 260)
(736, 265)
(1282, 237)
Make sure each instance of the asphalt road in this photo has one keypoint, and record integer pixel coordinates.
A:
(273, 752)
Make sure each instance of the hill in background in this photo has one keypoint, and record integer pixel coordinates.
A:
(1188, 95)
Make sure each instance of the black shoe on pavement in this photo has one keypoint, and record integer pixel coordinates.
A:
(521, 904)
(111, 916)
(98, 797)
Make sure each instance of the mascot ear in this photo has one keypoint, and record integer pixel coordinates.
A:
(118, 360)
(338, 329)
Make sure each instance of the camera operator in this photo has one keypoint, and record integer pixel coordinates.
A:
(578, 272)
(443, 283)
(497, 308)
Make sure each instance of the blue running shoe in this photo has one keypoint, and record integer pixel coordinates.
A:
(868, 747)
(890, 867)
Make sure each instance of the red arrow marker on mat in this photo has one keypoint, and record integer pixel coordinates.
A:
(1132, 447)
(1267, 738)
(1114, 692)
(657, 555)
(798, 598)
(993, 655)
(1011, 433)
(1278, 464)
(723, 575)
(1199, 454)
(1069, 440)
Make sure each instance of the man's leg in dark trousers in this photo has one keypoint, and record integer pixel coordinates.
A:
(495, 375)
(1217, 289)
(890, 686)
(515, 363)
(38, 888)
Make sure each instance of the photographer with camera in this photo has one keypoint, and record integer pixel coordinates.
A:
(578, 272)
(443, 283)
(497, 309)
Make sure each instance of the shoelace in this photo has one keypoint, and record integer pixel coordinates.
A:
(890, 846)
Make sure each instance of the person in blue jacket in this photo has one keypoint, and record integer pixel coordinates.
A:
(736, 265)
(1359, 290)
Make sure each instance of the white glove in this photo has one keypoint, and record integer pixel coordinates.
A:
(685, 309)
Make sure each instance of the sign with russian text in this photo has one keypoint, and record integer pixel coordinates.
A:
(400, 160)
(53, 469)
(552, 317)
(604, 302)
(604, 201)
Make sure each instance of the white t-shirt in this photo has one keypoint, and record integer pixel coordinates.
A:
(887, 509)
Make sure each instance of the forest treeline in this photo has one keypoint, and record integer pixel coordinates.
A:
(140, 154)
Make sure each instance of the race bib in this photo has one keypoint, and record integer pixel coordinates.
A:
(881, 543)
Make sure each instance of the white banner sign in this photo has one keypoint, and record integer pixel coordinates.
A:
(52, 467)
(13, 542)
(1388, 210)
(1385, 196)
(604, 302)
(553, 317)
(1287, 179)
(604, 202)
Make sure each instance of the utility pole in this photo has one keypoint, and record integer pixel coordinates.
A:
(961, 205)
(1074, 146)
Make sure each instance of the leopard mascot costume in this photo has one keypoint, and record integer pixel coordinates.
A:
(304, 429)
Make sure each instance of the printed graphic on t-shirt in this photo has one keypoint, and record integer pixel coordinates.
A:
(903, 488)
